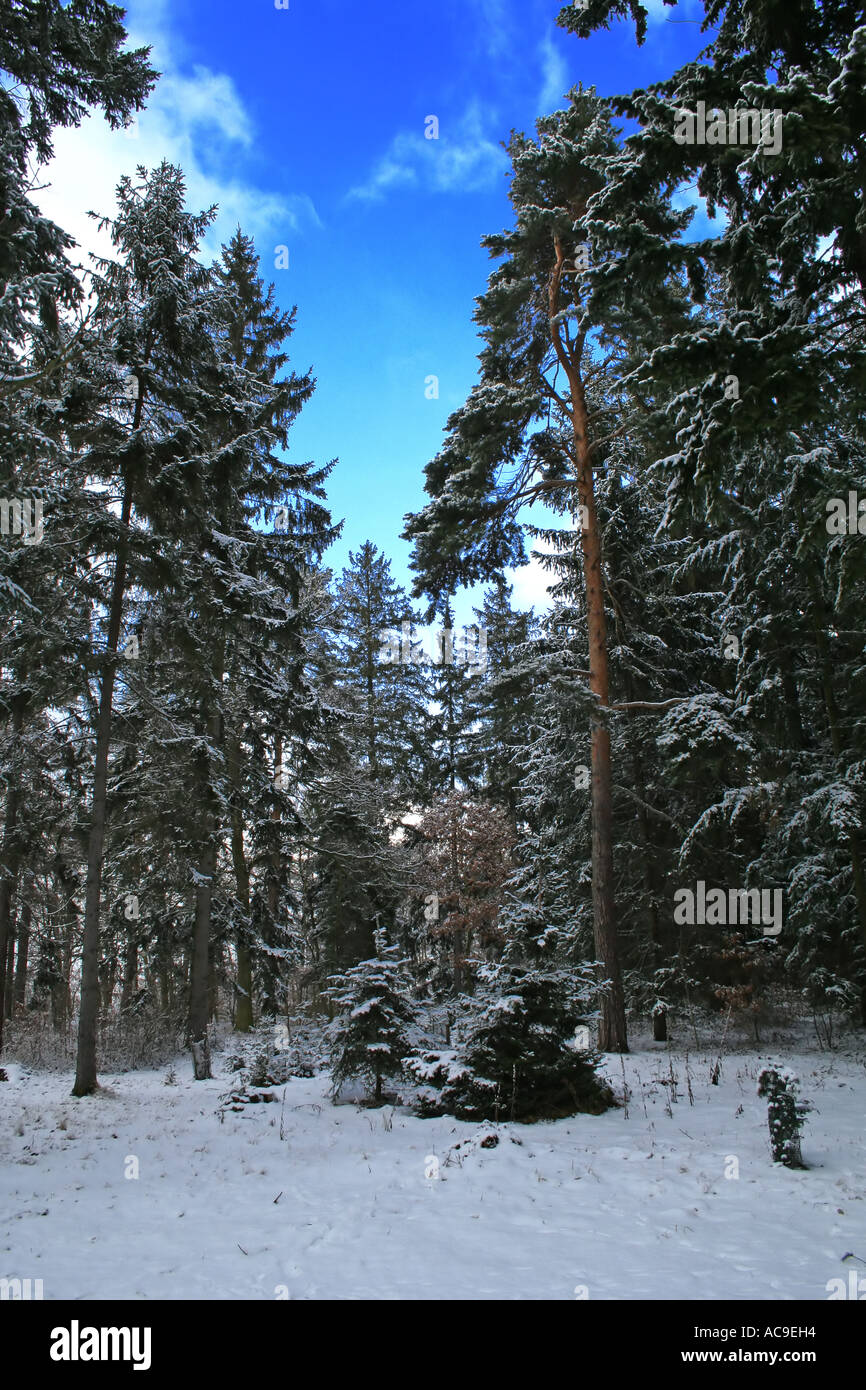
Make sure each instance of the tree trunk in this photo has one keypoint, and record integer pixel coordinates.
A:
(199, 992)
(612, 1036)
(457, 954)
(62, 943)
(270, 979)
(201, 972)
(88, 1016)
(108, 982)
(165, 961)
(7, 893)
(9, 867)
(10, 975)
(21, 956)
(218, 975)
(650, 864)
(244, 1000)
(244, 983)
(130, 976)
(244, 997)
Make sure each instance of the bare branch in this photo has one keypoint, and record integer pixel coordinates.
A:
(650, 704)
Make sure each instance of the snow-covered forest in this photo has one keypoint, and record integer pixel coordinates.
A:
(514, 955)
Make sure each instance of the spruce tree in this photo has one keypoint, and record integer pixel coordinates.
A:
(500, 700)
(372, 1035)
(381, 671)
(77, 63)
(519, 1060)
(156, 310)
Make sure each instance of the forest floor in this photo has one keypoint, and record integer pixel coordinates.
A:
(346, 1205)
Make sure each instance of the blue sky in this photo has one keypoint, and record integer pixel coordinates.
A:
(307, 125)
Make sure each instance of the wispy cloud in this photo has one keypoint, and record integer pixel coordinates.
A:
(464, 159)
(554, 74)
(195, 118)
(496, 22)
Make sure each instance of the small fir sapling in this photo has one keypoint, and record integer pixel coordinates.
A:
(519, 1060)
(786, 1114)
(371, 1036)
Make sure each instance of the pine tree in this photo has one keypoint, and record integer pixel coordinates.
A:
(370, 774)
(359, 869)
(772, 368)
(59, 61)
(227, 681)
(537, 323)
(268, 676)
(371, 1037)
(458, 664)
(786, 1114)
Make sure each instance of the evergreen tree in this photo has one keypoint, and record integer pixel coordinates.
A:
(194, 468)
(501, 700)
(525, 434)
(381, 672)
(457, 669)
(519, 1060)
(786, 1114)
(58, 61)
(266, 669)
(77, 63)
(359, 869)
(772, 368)
(371, 1037)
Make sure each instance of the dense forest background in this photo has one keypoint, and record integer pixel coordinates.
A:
(236, 786)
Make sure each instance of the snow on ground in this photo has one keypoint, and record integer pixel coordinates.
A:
(627, 1205)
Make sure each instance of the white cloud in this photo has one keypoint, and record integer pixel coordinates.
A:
(531, 580)
(194, 118)
(464, 159)
(208, 100)
(554, 77)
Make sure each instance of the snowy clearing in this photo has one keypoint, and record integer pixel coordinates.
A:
(349, 1205)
